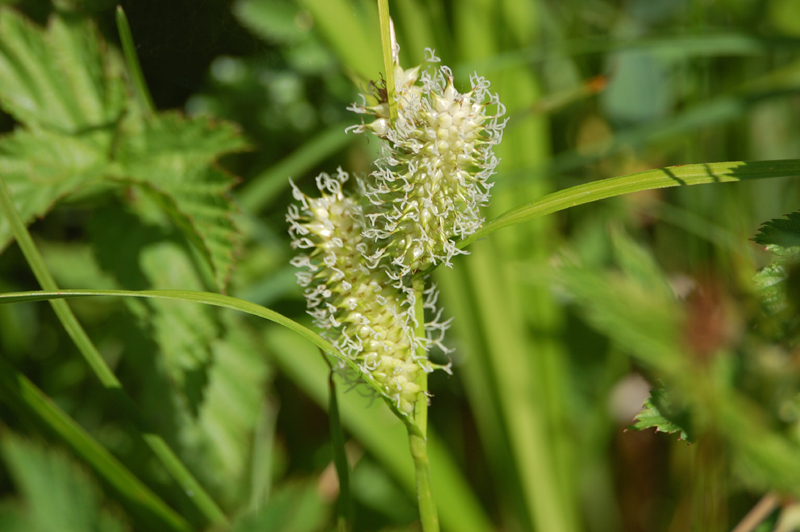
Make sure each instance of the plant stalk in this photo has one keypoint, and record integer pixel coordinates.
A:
(418, 439)
(387, 43)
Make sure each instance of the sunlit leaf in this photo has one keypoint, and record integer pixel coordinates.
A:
(62, 78)
(40, 167)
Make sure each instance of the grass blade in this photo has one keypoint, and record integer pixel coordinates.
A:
(262, 189)
(206, 298)
(200, 498)
(22, 395)
(671, 176)
(345, 502)
(134, 68)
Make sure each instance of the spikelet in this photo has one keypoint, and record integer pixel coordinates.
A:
(367, 318)
(362, 251)
(432, 179)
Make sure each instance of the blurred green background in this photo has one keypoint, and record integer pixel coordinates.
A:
(529, 431)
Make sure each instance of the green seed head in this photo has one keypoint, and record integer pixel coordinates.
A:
(432, 180)
(365, 313)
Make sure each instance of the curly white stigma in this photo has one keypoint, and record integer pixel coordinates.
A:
(432, 180)
(363, 312)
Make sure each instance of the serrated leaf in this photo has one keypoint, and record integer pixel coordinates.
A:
(229, 413)
(781, 235)
(173, 156)
(59, 78)
(183, 332)
(41, 167)
(215, 370)
(59, 496)
(652, 416)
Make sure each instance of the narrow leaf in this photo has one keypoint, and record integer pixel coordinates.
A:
(344, 504)
(671, 176)
(17, 392)
(207, 298)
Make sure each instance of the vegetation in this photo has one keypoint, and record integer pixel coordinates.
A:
(623, 343)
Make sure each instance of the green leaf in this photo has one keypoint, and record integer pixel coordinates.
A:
(296, 508)
(20, 395)
(173, 156)
(658, 413)
(671, 176)
(40, 167)
(778, 284)
(183, 332)
(59, 497)
(781, 235)
(62, 78)
(229, 412)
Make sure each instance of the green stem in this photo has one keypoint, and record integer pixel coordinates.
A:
(388, 62)
(418, 439)
(134, 68)
(344, 504)
(422, 470)
(199, 497)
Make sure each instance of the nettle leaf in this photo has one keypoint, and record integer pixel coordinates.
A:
(778, 284)
(67, 91)
(229, 413)
(61, 78)
(781, 235)
(660, 414)
(56, 494)
(40, 167)
(183, 332)
(215, 370)
(174, 157)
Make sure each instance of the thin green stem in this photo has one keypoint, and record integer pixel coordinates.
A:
(387, 44)
(215, 300)
(422, 470)
(199, 497)
(418, 439)
(131, 59)
(344, 503)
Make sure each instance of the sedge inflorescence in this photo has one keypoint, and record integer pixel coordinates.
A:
(362, 248)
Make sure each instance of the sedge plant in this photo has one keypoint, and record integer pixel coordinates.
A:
(365, 244)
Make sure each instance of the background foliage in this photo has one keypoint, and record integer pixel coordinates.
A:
(561, 324)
